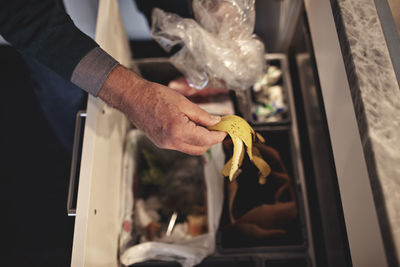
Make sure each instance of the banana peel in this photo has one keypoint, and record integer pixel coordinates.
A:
(243, 137)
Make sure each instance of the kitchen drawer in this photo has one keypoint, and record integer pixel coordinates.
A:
(331, 214)
(99, 218)
(98, 213)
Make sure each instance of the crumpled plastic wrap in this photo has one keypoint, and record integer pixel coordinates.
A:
(218, 47)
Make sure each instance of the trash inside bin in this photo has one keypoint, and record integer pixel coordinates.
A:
(257, 215)
(172, 203)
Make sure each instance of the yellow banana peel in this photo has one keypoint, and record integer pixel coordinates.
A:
(262, 166)
(242, 135)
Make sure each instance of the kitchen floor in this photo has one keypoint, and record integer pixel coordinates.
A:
(34, 175)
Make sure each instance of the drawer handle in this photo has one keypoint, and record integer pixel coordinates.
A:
(76, 163)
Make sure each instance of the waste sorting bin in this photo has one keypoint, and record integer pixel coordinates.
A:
(283, 137)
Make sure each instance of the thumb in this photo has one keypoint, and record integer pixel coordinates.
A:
(199, 115)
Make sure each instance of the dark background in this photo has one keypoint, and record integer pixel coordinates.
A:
(35, 165)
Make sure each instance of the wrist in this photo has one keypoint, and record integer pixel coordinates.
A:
(119, 86)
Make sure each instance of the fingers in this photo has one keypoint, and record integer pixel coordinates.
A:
(198, 115)
(191, 149)
(183, 147)
(197, 134)
(200, 136)
(190, 138)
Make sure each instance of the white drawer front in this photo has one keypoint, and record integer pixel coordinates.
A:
(97, 223)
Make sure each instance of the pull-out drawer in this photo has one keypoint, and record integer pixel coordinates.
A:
(338, 241)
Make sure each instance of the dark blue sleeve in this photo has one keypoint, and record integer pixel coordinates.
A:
(42, 30)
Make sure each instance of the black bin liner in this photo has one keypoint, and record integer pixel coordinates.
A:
(251, 194)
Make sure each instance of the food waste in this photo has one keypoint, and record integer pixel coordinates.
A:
(243, 138)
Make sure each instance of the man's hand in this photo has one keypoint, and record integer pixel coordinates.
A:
(165, 116)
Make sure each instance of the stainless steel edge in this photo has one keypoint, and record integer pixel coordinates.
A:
(298, 158)
(75, 150)
(365, 240)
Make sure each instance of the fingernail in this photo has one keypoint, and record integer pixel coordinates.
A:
(215, 119)
(173, 85)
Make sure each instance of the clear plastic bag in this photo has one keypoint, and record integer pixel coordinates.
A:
(218, 47)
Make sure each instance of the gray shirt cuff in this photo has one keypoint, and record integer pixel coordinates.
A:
(92, 70)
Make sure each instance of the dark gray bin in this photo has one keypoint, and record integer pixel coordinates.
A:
(281, 139)
(279, 135)
(280, 61)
